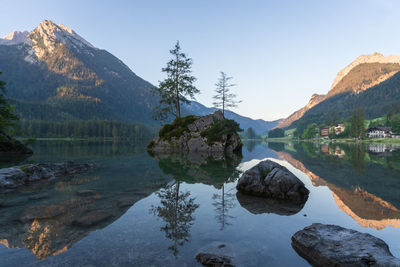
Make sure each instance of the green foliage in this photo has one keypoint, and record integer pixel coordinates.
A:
(177, 127)
(84, 129)
(7, 116)
(176, 87)
(219, 129)
(24, 169)
(357, 128)
(310, 132)
(395, 123)
(276, 133)
(223, 98)
(251, 134)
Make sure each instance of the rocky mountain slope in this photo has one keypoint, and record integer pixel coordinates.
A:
(52, 73)
(59, 75)
(364, 72)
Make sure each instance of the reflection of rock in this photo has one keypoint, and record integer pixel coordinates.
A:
(193, 138)
(331, 245)
(269, 179)
(207, 168)
(51, 224)
(260, 205)
(215, 254)
(365, 208)
(19, 175)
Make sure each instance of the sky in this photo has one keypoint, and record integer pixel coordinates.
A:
(279, 53)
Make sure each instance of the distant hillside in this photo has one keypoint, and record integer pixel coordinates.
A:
(363, 73)
(54, 74)
(376, 101)
(260, 126)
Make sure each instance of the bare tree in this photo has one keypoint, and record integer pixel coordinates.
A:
(224, 99)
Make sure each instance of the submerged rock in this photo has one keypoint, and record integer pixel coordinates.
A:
(332, 245)
(92, 218)
(215, 254)
(191, 135)
(269, 179)
(260, 205)
(19, 175)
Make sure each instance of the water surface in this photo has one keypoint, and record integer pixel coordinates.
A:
(142, 210)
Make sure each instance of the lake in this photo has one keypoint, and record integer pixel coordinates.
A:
(145, 210)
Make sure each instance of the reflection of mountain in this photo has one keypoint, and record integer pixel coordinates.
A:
(367, 209)
(50, 218)
(212, 169)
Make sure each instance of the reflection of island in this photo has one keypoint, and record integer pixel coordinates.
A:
(50, 218)
(208, 168)
(212, 169)
(367, 209)
(176, 210)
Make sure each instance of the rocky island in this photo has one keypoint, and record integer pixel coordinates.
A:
(210, 133)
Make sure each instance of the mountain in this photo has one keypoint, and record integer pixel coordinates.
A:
(315, 99)
(53, 73)
(259, 126)
(363, 73)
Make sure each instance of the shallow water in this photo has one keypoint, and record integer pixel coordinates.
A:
(159, 211)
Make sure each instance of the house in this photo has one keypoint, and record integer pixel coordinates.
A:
(325, 132)
(379, 132)
(339, 129)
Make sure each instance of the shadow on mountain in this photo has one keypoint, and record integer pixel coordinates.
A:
(259, 205)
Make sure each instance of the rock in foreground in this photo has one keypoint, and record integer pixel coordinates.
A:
(209, 133)
(269, 179)
(332, 245)
(19, 175)
(216, 254)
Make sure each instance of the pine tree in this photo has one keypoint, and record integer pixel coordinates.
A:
(178, 85)
(224, 99)
(7, 116)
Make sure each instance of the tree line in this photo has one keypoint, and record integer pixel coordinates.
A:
(84, 129)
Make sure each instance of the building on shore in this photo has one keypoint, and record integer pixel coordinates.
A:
(379, 132)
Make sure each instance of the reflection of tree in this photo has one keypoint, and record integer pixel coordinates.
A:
(357, 157)
(276, 146)
(250, 145)
(176, 211)
(222, 203)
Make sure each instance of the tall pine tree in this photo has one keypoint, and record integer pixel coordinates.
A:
(7, 117)
(178, 85)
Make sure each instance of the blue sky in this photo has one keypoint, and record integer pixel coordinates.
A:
(279, 52)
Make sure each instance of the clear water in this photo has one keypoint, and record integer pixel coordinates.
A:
(159, 211)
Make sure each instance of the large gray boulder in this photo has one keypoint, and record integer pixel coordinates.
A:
(270, 179)
(193, 139)
(332, 245)
(19, 175)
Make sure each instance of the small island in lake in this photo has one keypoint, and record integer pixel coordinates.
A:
(210, 133)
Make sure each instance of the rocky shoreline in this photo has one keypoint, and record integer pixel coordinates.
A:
(13, 177)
